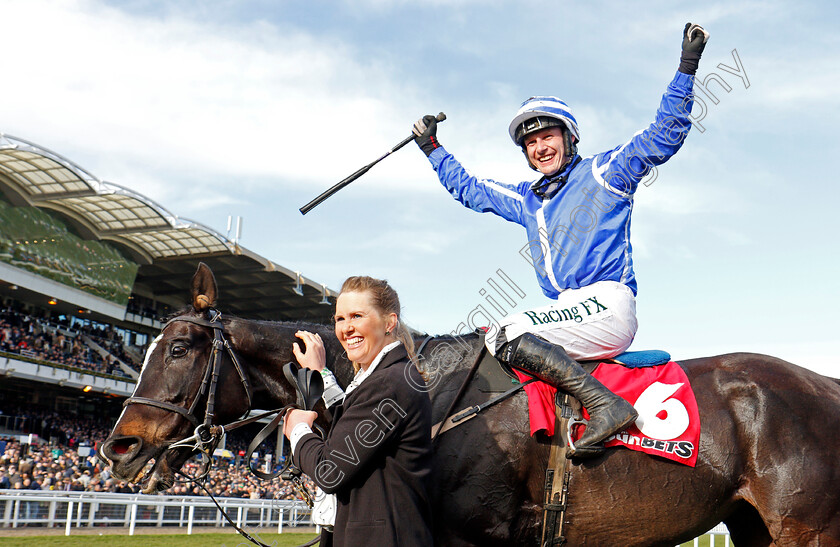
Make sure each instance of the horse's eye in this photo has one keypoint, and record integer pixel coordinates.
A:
(178, 350)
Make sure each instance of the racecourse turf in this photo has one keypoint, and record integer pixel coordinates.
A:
(155, 540)
(195, 540)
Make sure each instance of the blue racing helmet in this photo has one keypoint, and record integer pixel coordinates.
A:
(538, 113)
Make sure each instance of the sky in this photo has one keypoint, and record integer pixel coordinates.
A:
(253, 108)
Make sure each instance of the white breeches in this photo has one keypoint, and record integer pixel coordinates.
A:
(594, 322)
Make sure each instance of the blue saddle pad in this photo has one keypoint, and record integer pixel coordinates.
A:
(644, 358)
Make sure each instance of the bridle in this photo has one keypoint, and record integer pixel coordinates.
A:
(207, 436)
(205, 432)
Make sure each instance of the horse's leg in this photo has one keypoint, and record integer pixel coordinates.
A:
(746, 527)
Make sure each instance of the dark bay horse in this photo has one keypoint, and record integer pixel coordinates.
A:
(768, 463)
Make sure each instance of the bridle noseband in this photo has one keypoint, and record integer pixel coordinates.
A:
(204, 434)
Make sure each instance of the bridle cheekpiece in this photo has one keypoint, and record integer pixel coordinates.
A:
(206, 435)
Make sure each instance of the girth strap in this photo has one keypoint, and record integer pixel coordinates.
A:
(557, 476)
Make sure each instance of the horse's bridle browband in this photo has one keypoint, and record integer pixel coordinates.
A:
(211, 375)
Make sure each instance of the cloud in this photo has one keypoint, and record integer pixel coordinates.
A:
(252, 99)
(800, 83)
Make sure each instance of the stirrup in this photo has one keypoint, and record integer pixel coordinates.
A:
(586, 452)
(580, 452)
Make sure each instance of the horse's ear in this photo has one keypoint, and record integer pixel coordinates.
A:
(204, 290)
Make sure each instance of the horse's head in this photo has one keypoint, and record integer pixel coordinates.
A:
(173, 391)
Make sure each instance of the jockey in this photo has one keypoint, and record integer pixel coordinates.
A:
(577, 218)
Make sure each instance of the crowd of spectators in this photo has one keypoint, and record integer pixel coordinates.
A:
(110, 340)
(66, 461)
(146, 308)
(36, 339)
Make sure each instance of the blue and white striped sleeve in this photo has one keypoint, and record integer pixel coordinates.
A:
(621, 169)
(481, 195)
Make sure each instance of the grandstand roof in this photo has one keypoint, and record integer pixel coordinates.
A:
(167, 247)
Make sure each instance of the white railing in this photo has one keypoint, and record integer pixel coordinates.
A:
(97, 509)
(719, 531)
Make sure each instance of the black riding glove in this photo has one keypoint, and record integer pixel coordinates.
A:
(694, 40)
(425, 131)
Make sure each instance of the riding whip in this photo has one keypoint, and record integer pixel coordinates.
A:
(338, 186)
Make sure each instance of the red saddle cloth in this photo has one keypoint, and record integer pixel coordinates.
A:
(668, 424)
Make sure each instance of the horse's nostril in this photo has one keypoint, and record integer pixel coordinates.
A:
(118, 447)
(121, 447)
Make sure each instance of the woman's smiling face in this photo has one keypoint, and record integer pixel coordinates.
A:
(361, 328)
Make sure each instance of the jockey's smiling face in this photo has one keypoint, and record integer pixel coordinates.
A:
(361, 327)
(545, 150)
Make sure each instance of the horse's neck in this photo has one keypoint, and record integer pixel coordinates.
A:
(450, 356)
(267, 346)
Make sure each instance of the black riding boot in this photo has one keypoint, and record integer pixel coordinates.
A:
(608, 413)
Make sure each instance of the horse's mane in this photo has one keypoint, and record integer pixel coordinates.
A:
(189, 310)
(303, 324)
(177, 313)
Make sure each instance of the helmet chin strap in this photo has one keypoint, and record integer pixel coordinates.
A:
(571, 147)
(547, 186)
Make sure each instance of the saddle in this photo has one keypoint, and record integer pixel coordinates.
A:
(638, 359)
(628, 359)
(489, 375)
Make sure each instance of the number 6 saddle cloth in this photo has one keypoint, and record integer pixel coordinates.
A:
(668, 423)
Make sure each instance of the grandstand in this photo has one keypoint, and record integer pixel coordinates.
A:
(88, 269)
